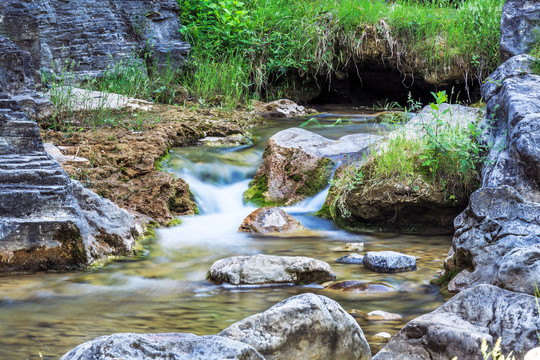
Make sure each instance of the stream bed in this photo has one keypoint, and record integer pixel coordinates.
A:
(51, 313)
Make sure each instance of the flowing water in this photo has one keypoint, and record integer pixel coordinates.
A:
(49, 314)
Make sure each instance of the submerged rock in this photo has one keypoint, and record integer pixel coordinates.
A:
(298, 163)
(306, 326)
(270, 269)
(167, 346)
(270, 220)
(361, 287)
(382, 315)
(381, 337)
(389, 261)
(457, 328)
(351, 259)
(358, 246)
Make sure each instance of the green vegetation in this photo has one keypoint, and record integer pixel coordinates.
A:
(535, 51)
(447, 157)
(266, 47)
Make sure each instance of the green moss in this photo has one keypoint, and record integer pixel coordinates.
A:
(174, 222)
(324, 212)
(317, 180)
(256, 193)
(159, 162)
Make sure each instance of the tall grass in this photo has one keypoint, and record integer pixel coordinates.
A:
(311, 38)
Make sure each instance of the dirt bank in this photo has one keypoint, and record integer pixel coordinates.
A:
(123, 160)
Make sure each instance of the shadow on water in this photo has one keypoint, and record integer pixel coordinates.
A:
(168, 291)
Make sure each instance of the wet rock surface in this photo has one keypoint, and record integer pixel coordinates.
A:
(270, 269)
(362, 287)
(458, 327)
(179, 346)
(497, 237)
(389, 261)
(520, 24)
(382, 315)
(298, 163)
(351, 259)
(306, 326)
(270, 220)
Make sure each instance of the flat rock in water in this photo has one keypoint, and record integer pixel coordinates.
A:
(351, 259)
(381, 337)
(382, 315)
(358, 246)
(178, 346)
(389, 261)
(270, 220)
(457, 328)
(361, 287)
(270, 269)
(306, 326)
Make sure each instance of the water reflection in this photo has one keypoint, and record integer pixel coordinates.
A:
(168, 291)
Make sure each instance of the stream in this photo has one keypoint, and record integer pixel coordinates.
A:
(50, 313)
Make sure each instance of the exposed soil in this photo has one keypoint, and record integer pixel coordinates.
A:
(123, 164)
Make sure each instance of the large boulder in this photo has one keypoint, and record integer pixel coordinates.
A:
(270, 220)
(361, 198)
(298, 164)
(497, 238)
(167, 346)
(270, 269)
(457, 328)
(87, 37)
(520, 26)
(48, 221)
(306, 326)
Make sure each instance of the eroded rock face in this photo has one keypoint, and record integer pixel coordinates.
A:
(458, 327)
(306, 326)
(48, 221)
(282, 108)
(520, 24)
(298, 163)
(414, 205)
(497, 238)
(269, 269)
(94, 35)
(270, 220)
(389, 261)
(178, 346)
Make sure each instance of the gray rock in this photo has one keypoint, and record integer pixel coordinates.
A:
(497, 237)
(389, 261)
(269, 269)
(457, 327)
(382, 315)
(48, 221)
(167, 346)
(282, 108)
(94, 35)
(306, 326)
(298, 163)
(520, 24)
(270, 220)
(381, 337)
(351, 259)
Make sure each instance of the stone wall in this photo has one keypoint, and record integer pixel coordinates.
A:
(91, 35)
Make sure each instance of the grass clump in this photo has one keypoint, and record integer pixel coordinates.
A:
(535, 51)
(266, 44)
(444, 160)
